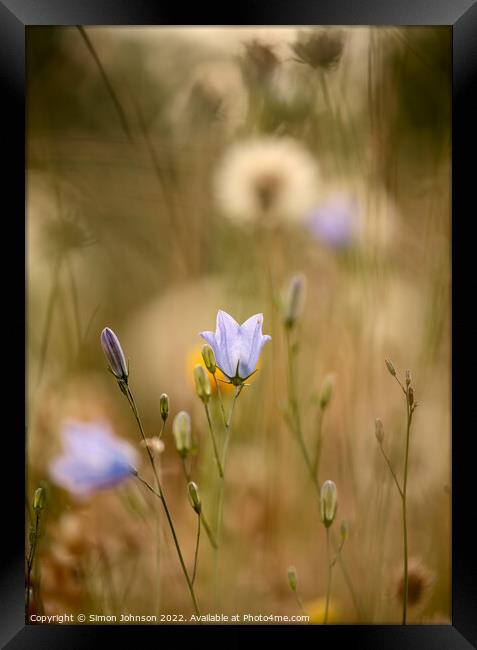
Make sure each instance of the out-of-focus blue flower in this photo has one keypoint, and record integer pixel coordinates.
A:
(237, 347)
(93, 459)
(335, 222)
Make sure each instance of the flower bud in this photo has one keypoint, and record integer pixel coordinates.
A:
(164, 406)
(181, 429)
(328, 502)
(295, 299)
(39, 499)
(408, 378)
(344, 530)
(410, 395)
(292, 578)
(114, 354)
(379, 430)
(194, 497)
(390, 367)
(202, 383)
(327, 390)
(209, 358)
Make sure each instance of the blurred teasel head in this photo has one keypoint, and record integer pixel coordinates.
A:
(259, 62)
(202, 383)
(194, 497)
(319, 48)
(294, 300)
(181, 429)
(209, 358)
(114, 354)
(328, 503)
(164, 406)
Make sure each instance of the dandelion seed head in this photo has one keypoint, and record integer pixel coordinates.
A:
(266, 179)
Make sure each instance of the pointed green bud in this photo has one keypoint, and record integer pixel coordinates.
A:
(328, 503)
(209, 358)
(327, 390)
(164, 406)
(294, 300)
(292, 578)
(194, 497)
(379, 430)
(39, 499)
(390, 367)
(181, 429)
(202, 383)
(344, 530)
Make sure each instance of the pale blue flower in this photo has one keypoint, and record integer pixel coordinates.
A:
(335, 222)
(93, 459)
(237, 347)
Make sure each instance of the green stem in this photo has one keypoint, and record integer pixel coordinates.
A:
(214, 441)
(221, 401)
(319, 442)
(328, 580)
(295, 421)
(106, 81)
(30, 560)
(295, 426)
(386, 458)
(220, 503)
(206, 526)
(209, 533)
(196, 554)
(409, 410)
(160, 494)
(49, 316)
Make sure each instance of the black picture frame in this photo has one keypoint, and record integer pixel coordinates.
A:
(15, 15)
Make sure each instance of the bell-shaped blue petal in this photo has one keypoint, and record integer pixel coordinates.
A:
(237, 347)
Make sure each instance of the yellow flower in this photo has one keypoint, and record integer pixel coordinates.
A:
(316, 611)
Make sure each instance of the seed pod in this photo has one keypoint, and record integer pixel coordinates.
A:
(328, 502)
(295, 300)
(181, 429)
(39, 499)
(390, 367)
(327, 390)
(164, 406)
(209, 358)
(202, 383)
(194, 497)
(292, 578)
(379, 430)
